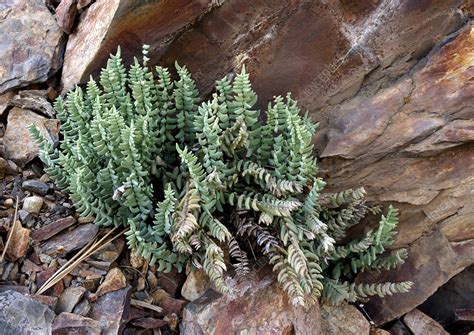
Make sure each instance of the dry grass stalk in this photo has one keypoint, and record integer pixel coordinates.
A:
(84, 253)
(143, 304)
(10, 234)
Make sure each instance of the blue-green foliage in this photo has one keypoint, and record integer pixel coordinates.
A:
(139, 128)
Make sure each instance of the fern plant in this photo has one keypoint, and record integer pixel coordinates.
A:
(192, 179)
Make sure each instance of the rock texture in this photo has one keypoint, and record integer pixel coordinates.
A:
(343, 319)
(30, 43)
(14, 320)
(258, 306)
(18, 145)
(420, 323)
(457, 294)
(416, 153)
(106, 24)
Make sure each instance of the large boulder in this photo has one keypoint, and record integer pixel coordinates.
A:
(105, 25)
(30, 43)
(257, 306)
(410, 144)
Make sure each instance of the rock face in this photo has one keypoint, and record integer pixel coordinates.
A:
(14, 320)
(30, 44)
(416, 153)
(17, 142)
(256, 301)
(106, 24)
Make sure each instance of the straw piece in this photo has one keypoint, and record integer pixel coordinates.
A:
(143, 304)
(10, 234)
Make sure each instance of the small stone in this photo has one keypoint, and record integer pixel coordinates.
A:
(169, 304)
(170, 281)
(34, 100)
(45, 259)
(148, 323)
(19, 146)
(68, 323)
(20, 240)
(343, 319)
(136, 260)
(69, 299)
(82, 308)
(378, 331)
(111, 310)
(152, 280)
(52, 229)
(43, 276)
(29, 267)
(86, 219)
(65, 15)
(35, 186)
(140, 284)
(114, 280)
(172, 320)
(3, 168)
(33, 204)
(24, 215)
(69, 241)
(20, 314)
(420, 323)
(196, 284)
(8, 203)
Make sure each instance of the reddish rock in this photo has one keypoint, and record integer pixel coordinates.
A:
(69, 241)
(169, 304)
(148, 323)
(48, 231)
(343, 319)
(171, 281)
(255, 301)
(43, 276)
(420, 323)
(69, 299)
(114, 280)
(68, 323)
(111, 310)
(65, 14)
(20, 240)
(105, 25)
(19, 146)
(29, 267)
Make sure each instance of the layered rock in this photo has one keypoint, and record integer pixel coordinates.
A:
(17, 143)
(411, 144)
(107, 24)
(258, 306)
(31, 43)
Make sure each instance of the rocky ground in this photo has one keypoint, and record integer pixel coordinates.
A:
(391, 83)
